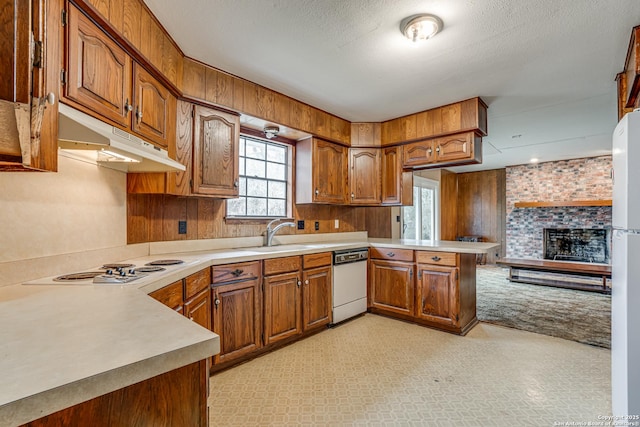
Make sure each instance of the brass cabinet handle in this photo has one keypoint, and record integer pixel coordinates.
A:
(436, 258)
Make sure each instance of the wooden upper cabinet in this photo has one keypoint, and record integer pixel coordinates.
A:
(391, 175)
(454, 148)
(365, 134)
(216, 139)
(321, 172)
(418, 154)
(364, 176)
(458, 149)
(98, 70)
(154, 107)
(468, 115)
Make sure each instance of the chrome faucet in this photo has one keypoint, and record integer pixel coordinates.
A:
(271, 232)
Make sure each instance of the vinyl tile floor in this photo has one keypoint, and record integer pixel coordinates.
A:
(376, 371)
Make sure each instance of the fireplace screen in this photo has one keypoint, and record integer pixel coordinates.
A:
(577, 244)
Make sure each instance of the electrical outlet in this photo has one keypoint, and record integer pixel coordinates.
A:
(336, 224)
(182, 227)
(317, 225)
(301, 224)
(397, 218)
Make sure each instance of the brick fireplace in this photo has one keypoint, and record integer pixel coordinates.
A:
(561, 181)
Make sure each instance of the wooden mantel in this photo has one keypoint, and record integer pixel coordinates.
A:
(562, 203)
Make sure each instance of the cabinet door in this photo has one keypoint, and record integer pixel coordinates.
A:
(437, 295)
(98, 70)
(417, 154)
(454, 147)
(198, 309)
(391, 287)
(391, 172)
(236, 318)
(282, 317)
(329, 172)
(316, 298)
(364, 176)
(153, 107)
(215, 153)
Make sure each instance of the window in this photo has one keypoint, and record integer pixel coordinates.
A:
(264, 180)
(420, 221)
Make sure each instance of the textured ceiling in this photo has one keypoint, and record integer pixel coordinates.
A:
(546, 68)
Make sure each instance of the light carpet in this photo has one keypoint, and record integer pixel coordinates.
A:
(574, 315)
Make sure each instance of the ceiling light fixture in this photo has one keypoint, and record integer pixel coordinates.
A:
(421, 27)
(271, 131)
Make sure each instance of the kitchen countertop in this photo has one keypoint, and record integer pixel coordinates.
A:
(79, 342)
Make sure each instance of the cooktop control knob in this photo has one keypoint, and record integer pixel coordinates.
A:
(108, 272)
(132, 271)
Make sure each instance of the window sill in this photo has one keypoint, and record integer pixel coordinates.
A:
(249, 220)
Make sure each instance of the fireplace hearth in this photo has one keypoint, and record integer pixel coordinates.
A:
(577, 244)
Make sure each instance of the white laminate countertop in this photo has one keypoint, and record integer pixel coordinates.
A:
(62, 344)
(435, 245)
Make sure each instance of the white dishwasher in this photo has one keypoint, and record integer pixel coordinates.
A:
(349, 283)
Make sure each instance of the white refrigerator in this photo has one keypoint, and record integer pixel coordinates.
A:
(625, 254)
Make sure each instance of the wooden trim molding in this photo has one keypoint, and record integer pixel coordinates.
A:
(563, 203)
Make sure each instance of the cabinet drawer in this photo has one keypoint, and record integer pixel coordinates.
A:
(196, 283)
(235, 272)
(437, 258)
(317, 260)
(282, 265)
(170, 295)
(391, 254)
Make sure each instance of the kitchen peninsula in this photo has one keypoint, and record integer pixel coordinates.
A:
(81, 342)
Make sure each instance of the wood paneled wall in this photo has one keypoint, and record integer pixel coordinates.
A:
(152, 218)
(481, 204)
(378, 221)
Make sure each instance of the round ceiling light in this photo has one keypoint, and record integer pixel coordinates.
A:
(421, 27)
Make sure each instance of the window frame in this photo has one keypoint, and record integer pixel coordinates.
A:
(288, 181)
(421, 182)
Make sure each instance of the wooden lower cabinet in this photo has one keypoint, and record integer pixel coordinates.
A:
(437, 295)
(175, 398)
(442, 296)
(198, 308)
(316, 298)
(237, 318)
(282, 314)
(391, 287)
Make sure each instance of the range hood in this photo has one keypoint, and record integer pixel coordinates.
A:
(110, 146)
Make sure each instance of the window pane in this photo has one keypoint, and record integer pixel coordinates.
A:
(241, 166)
(243, 186)
(256, 187)
(276, 153)
(241, 150)
(275, 171)
(278, 190)
(255, 149)
(255, 168)
(236, 207)
(408, 222)
(256, 207)
(426, 198)
(276, 207)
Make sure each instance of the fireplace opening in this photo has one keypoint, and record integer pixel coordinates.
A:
(577, 244)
